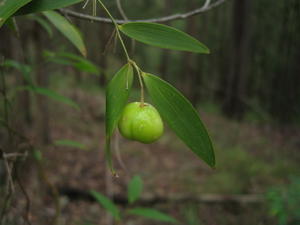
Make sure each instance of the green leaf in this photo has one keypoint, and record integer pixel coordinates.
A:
(53, 95)
(117, 94)
(107, 204)
(37, 154)
(152, 214)
(45, 24)
(45, 5)
(76, 61)
(70, 143)
(67, 29)
(13, 26)
(23, 68)
(181, 117)
(9, 7)
(135, 188)
(163, 36)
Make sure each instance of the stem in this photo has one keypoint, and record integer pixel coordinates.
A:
(117, 29)
(139, 72)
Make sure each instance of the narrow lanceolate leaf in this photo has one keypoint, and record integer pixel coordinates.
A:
(181, 117)
(44, 24)
(45, 5)
(53, 95)
(117, 94)
(107, 204)
(67, 29)
(9, 7)
(135, 188)
(23, 68)
(152, 214)
(69, 143)
(163, 36)
(71, 59)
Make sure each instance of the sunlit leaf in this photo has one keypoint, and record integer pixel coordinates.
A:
(107, 204)
(117, 93)
(45, 5)
(9, 7)
(67, 29)
(152, 214)
(69, 143)
(162, 36)
(181, 117)
(135, 188)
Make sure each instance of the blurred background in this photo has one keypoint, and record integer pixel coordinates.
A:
(247, 92)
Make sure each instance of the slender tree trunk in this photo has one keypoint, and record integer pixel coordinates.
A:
(188, 64)
(236, 83)
(43, 122)
(165, 56)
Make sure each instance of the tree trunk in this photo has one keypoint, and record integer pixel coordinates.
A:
(237, 77)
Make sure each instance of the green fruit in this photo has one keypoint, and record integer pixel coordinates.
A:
(141, 123)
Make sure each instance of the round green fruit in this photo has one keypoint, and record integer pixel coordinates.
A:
(141, 122)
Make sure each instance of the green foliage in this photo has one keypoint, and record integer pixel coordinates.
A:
(9, 7)
(135, 188)
(117, 94)
(191, 215)
(44, 24)
(67, 29)
(53, 95)
(163, 36)
(70, 143)
(152, 214)
(71, 59)
(25, 70)
(107, 204)
(284, 202)
(37, 155)
(45, 5)
(181, 117)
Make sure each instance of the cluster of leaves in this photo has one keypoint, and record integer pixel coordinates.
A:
(27, 71)
(175, 109)
(284, 202)
(134, 191)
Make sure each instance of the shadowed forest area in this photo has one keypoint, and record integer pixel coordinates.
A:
(63, 88)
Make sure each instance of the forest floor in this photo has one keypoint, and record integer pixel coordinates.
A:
(251, 158)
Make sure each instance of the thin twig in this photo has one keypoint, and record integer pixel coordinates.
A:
(153, 20)
(120, 8)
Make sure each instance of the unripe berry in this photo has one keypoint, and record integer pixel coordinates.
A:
(141, 122)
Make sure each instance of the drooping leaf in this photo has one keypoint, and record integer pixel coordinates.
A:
(135, 188)
(70, 143)
(9, 7)
(45, 24)
(67, 29)
(13, 26)
(162, 36)
(70, 59)
(107, 204)
(53, 95)
(23, 68)
(45, 5)
(152, 214)
(181, 117)
(117, 94)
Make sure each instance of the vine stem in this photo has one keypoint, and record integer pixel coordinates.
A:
(117, 29)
